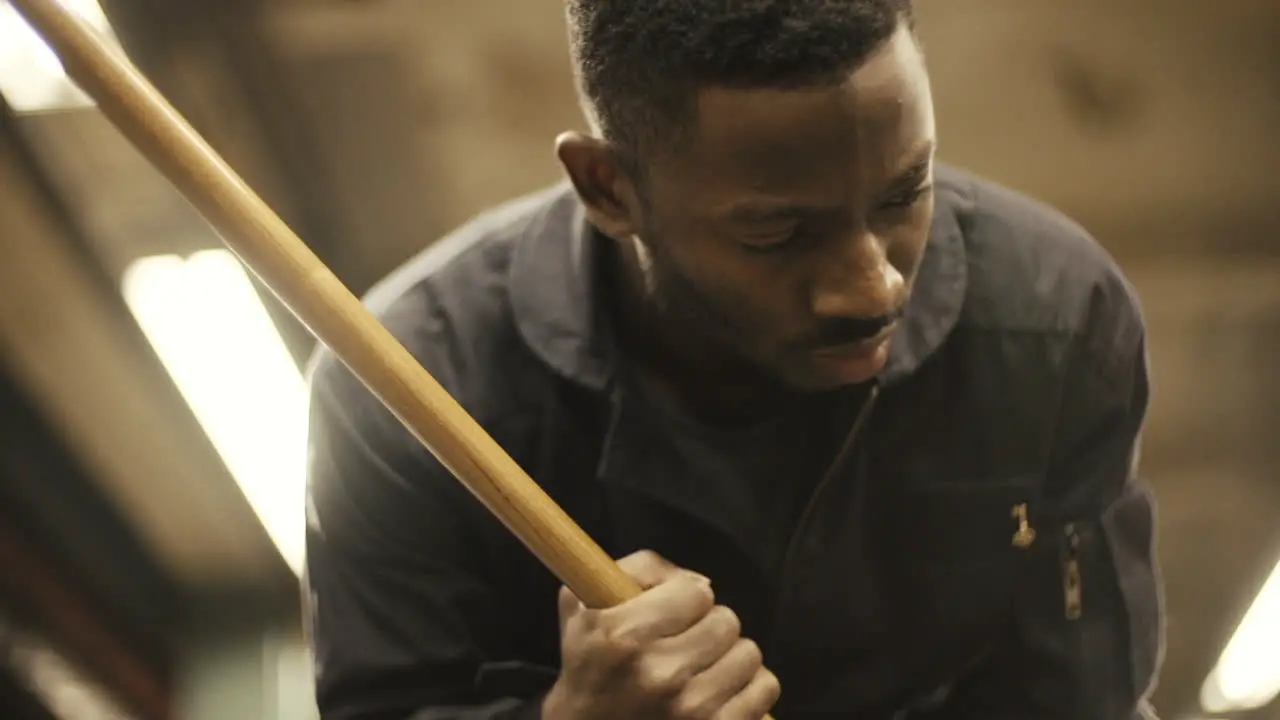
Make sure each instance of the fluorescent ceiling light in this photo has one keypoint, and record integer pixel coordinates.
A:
(1248, 673)
(31, 76)
(60, 685)
(214, 336)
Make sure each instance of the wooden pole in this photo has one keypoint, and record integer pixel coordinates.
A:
(271, 250)
(330, 311)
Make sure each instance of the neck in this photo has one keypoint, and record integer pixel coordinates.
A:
(688, 365)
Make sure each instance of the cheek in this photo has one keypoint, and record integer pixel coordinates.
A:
(757, 303)
(907, 243)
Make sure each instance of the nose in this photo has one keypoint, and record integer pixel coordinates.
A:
(856, 280)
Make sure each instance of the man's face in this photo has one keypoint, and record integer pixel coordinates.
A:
(790, 228)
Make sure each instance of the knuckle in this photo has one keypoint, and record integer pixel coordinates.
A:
(646, 567)
(646, 560)
(687, 707)
(771, 687)
(617, 645)
(751, 652)
(658, 678)
(699, 593)
(648, 557)
(730, 625)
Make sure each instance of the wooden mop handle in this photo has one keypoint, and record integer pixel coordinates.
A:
(332, 313)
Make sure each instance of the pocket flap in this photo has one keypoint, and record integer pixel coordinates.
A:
(953, 525)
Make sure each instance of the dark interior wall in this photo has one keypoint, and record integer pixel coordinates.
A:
(69, 565)
(16, 701)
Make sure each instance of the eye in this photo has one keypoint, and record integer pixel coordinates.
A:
(906, 200)
(765, 245)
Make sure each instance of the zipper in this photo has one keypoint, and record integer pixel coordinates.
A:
(1073, 596)
(806, 515)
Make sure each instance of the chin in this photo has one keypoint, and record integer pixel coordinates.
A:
(834, 372)
(817, 384)
(808, 380)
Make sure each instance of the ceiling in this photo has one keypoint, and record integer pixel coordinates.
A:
(373, 127)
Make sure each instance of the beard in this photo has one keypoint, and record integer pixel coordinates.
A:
(723, 342)
(677, 298)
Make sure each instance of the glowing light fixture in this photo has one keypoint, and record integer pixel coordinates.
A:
(215, 338)
(1248, 672)
(31, 76)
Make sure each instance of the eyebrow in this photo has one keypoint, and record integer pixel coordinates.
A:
(764, 211)
(912, 177)
(916, 172)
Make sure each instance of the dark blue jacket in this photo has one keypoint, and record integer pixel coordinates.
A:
(1018, 382)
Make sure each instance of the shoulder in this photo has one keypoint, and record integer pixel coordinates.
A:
(1033, 270)
(450, 307)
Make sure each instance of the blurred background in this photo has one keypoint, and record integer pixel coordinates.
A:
(151, 478)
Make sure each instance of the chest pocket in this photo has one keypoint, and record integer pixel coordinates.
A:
(952, 551)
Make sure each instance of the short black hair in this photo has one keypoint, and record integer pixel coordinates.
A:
(639, 63)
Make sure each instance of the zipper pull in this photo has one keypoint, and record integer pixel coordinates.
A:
(1074, 599)
(1025, 535)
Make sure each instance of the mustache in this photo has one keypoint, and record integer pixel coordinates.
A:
(847, 331)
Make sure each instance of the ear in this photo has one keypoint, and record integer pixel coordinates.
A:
(609, 194)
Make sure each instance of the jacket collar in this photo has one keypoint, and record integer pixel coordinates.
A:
(553, 289)
(939, 293)
(554, 295)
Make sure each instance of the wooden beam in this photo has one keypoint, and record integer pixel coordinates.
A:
(67, 337)
(35, 581)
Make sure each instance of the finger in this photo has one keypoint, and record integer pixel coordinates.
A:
(648, 568)
(702, 645)
(666, 610)
(755, 701)
(568, 605)
(671, 662)
(721, 682)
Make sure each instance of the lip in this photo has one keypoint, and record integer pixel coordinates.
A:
(854, 363)
(857, 350)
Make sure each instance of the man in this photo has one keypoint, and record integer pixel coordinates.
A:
(864, 425)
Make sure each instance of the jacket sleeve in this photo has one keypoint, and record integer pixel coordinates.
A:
(1086, 638)
(399, 609)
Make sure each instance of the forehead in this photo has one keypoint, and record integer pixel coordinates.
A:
(823, 144)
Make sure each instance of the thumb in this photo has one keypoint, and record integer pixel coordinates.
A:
(650, 569)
